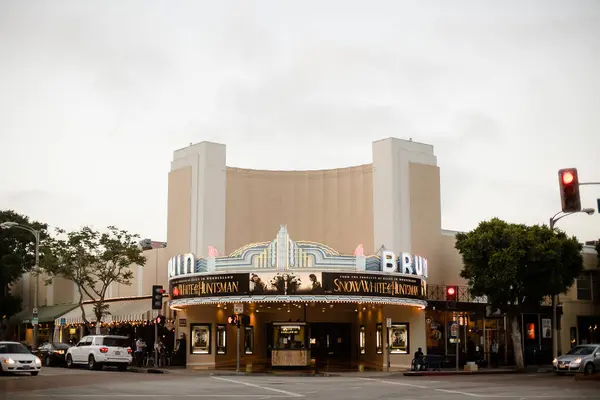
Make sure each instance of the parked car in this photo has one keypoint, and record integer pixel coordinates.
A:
(52, 353)
(99, 350)
(583, 358)
(14, 357)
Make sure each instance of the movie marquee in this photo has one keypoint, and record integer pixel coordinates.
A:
(289, 284)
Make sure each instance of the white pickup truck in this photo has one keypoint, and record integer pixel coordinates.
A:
(97, 351)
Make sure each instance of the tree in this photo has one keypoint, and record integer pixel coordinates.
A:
(515, 266)
(93, 261)
(17, 257)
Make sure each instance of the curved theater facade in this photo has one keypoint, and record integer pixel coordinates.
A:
(299, 303)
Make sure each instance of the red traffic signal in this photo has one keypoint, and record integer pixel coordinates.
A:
(450, 291)
(568, 181)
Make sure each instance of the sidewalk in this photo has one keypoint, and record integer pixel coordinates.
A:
(483, 371)
(327, 373)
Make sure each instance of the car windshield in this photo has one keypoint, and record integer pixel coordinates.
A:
(61, 346)
(581, 350)
(13, 348)
(115, 342)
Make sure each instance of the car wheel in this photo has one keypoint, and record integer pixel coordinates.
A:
(589, 369)
(47, 361)
(35, 373)
(69, 361)
(91, 362)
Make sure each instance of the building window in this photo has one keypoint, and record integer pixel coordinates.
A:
(221, 339)
(584, 287)
(362, 338)
(200, 338)
(249, 340)
(399, 338)
(379, 338)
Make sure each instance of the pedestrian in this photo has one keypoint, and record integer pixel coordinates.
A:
(140, 347)
(494, 353)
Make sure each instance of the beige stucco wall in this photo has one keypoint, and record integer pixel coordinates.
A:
(179, 210)
(334, 207)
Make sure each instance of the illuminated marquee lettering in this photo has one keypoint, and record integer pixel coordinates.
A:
(377, 288)
(181, 265)
(412, 265)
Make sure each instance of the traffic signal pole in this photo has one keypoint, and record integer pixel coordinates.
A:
(237, 356)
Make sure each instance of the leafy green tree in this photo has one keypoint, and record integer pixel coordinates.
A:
(17, 257)
(93, 261)
(515, 265)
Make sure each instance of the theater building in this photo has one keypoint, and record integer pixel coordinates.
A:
(330, 266)
(306, 304)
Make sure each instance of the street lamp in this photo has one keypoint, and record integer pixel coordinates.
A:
(553, 220)
(36, 233)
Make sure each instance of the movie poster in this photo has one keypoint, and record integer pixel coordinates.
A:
(286, 283)
(399, 339)
(200, 339)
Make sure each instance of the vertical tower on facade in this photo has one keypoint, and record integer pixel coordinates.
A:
(196, 210)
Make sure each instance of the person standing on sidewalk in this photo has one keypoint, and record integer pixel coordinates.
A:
(140, 346)
(494, 353)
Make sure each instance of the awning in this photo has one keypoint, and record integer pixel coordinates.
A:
(45, 314)
(124, 310)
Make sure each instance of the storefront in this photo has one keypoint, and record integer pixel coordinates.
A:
(302, 304)
(475, 331)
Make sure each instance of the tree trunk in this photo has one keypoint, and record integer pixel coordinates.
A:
(83, 317)
(99, 311)
(515, 335)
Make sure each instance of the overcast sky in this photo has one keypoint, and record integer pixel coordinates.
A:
(96, 95)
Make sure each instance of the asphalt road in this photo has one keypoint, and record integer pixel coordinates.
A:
(58, 383)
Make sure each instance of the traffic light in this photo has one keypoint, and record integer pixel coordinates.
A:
(451, 296)
(233, 320)
(568, 182)
(157, 295)
(245, 320)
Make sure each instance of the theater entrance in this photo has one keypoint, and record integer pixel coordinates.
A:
(331, 343)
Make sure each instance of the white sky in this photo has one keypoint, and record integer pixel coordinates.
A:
(96, 95)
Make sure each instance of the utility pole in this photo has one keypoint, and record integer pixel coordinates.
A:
(555, 297)
(35, 273)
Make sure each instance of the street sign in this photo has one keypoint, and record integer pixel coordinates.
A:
(35, 311)
(63, 321)
(34, 321)
(238, 308)
(388, 322)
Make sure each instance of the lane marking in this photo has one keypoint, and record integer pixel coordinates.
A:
(396, 383)
(290, 394)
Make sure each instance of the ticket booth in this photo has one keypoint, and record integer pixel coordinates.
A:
(290, 345)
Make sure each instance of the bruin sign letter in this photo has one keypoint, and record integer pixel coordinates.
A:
(181, 265)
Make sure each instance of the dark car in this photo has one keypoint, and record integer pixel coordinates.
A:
(52, 354)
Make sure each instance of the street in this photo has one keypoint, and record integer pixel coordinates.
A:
(59, 383)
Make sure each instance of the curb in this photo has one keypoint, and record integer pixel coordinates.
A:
(451, 373)
(148, 371)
